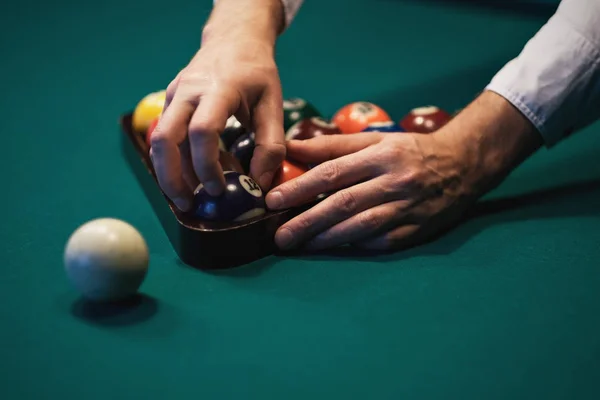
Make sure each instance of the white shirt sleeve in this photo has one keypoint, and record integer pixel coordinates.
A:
(290, 9)
(555, 80)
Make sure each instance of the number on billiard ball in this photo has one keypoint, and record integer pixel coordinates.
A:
(355, 117)
(241, 200)
(296, 109)
(310, 127)
(425, 119)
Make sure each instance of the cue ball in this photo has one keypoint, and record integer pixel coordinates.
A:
(106, 259)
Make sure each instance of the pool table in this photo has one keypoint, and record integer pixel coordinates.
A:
(505, 306)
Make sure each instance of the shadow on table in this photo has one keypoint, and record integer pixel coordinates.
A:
(134, 310)
(548, 203)
(542, 8)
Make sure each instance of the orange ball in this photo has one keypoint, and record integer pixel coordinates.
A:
(288, 171)
(354, 117)
(150, 130)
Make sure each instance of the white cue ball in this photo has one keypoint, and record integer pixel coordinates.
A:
(106, 259)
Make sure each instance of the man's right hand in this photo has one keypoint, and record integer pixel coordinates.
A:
(233, 73)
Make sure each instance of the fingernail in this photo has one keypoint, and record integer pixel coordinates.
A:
(274, 200)
(265, 179)
(182, 203)
(284, 238)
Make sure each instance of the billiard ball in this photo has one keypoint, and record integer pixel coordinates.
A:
(287, 171)
(310, 127)
(355, 117)
(241, 200)
(149, 108)
(106, 259)
(425, 119)
(386, 126)
(150, 130)
(296, 109)
(243, 149)
(233, 130)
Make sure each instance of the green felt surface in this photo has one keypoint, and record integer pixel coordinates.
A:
(505, 307)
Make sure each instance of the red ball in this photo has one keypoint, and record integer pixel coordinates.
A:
(425, 119)
(287, 171)
(310, 127)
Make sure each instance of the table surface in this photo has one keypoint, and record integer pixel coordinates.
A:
(505, 306)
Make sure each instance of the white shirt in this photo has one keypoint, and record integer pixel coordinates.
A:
(555, 80)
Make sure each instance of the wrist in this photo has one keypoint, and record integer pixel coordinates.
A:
(259, 20)
(490, 138)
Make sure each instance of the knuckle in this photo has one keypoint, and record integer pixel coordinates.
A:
(369, 220)
(158, 140)
(330, 171)
(273, 151)
(345, 202)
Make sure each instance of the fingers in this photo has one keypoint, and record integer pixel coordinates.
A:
(343, 205)
(166, 157)
(187, 166)
(327, 177)
(328, 147)
(171, 90)
(361, 226)
(270, 148)
(402, 237)
(206, 125)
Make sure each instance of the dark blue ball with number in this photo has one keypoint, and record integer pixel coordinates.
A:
(241, 200)
(388, 126)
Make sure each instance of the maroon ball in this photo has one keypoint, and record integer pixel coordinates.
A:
(425, 119)
(310, 127)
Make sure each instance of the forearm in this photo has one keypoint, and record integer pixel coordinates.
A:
(256, 19)
(491, 138)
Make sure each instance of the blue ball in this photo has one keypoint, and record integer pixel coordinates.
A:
(242, 199)
(387, 126)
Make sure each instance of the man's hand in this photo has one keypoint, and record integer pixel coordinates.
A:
(389, 191)
(233, 73)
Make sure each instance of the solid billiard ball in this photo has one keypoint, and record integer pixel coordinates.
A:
(386, 126)
(296, 109)
(106, 259)
(243, 149)
(241, 200)
(233, 130)
(229, 163)
(425, 119)
(149, 108)
(287, 171)
(150, 130)
(310, 127)
(355, 117)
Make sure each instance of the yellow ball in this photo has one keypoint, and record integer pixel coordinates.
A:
(148, 109)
